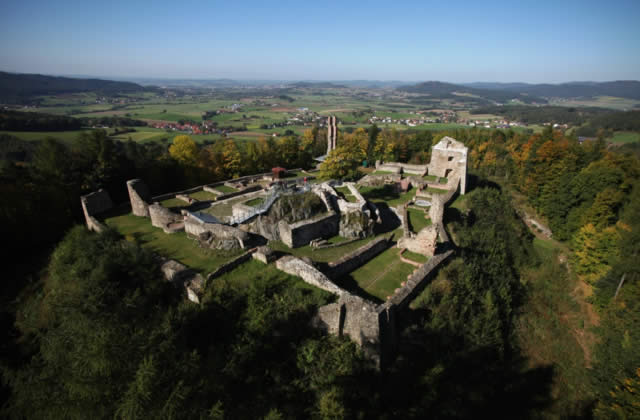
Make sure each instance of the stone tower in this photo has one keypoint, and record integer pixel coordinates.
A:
(139, 196)
(332, 133)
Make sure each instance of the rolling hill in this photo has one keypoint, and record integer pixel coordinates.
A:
(15, 87)
(621, 89)
(441, 90)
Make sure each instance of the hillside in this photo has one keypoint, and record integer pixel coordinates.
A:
(16, 87)
(621, 89)
(443, 90)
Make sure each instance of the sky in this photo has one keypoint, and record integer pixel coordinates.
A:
(464, 41)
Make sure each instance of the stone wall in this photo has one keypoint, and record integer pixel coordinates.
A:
(241, 192)
(406, 168)
(372, 180)
(301, 233)
(182, 276)
(308, 273)
(139, 196)
(163, 218)
(357, 258)
(438, 203)
(416, 281)
(226, 267)
(449, 159)
(423, 243)
(216, 235)
(95, 203)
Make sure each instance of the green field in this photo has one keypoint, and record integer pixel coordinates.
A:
(379, 277)
(418, 220)
(623, 137)
(203, 196)
(176, 246)
(225, 189)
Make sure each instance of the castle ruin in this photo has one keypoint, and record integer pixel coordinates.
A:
(332, 133)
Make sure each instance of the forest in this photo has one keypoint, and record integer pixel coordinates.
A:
(75, 302)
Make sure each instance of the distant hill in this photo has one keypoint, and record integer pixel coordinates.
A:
(16, 87)
(319, 85)
(441, 90)
(622, 89)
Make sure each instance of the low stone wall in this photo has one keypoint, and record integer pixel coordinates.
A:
(175, 194)
(404, 218)
(222, 236)
(247, 190)
(181, 275)
(308, 273)
(372, 180)
(416, 281)
(301, 233)
(226, 267)
(405, 167)
(357, 258)
(162, 217)
(423, 243)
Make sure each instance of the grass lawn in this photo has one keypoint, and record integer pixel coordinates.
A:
(176, 246)
(174, 203)
(246, 273)
(436, 190)
(443, 180)
(387, 194)
(380, 277)
(255, 202)
(346, 193)
(418, 220)
(321, 255)
(382, 172)
(430, 177)
(623, 137)
(413, 256)
(203, 196)
(225, 189)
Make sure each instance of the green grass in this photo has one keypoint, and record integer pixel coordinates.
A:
(382, 173)
(623, 137)
(225, 189)
(387, 194)
(443, 180)
(173, 203)
(203, 196)
(436, 190)
(321, 255)
(418, 220)
(176, 246)
(346, 193)
(430, 178)
(379, 277)
(413, 256)
(255, 202)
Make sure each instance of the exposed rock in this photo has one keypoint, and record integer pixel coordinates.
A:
(355, 224)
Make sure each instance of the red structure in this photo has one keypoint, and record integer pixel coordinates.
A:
(278, 172)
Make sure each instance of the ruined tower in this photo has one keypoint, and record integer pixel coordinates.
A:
(332, 133)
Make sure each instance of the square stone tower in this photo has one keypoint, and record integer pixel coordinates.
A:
(449, 159)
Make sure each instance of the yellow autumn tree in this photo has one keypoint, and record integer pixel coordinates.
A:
(184, 150)
(231, 159)
(594, 250)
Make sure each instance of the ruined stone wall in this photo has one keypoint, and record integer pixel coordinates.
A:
(175, 194)
(139, 196)
(423, 243)
(406, 168)
(308, 273)
(357, 258)
(95, 203)
(247, 190)
(231, 265)
(162, 218)
(222, 236)
(301, 233)
(417, 281)
(372, 180)
(438, 204)
(182, 276)
(404, 218)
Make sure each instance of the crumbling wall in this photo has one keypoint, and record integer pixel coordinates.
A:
(357, 258)
(308, 273)
(139, 196)
(231, 265)
(449, 159)
(95, 203)
(301, 233)
(215, 235)
(182, 276)
(416, 281)
(423, 243)
(163, 218)
(397, 167)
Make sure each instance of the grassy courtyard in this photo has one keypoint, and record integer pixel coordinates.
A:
(176, 246)
(379, 277)
(418, 219)
(203, 196)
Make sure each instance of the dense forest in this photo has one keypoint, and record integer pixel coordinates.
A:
(19, 88)
(74, 303)
(35, 121)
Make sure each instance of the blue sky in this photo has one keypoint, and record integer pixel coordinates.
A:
(462, 41)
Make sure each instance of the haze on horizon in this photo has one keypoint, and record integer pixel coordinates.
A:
(531, 41)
